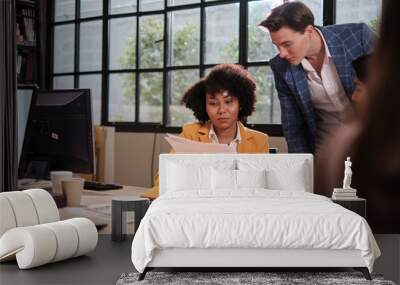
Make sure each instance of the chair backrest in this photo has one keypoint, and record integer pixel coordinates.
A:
(26, 208)
(295, 170)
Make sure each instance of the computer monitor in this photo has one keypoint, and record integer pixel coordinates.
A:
(58, 135)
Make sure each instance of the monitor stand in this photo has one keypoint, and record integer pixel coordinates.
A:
(38, 169)
(30, 183)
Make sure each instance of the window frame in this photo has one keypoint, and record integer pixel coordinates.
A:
(270, 129)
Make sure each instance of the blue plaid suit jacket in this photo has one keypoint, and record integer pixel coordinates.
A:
(346, 43)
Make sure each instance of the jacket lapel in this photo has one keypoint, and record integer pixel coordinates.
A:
(301, 89)
(300, 84)
(336, 48)
(245, 136)
(203, 133)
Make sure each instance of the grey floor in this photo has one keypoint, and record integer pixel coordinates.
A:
(102, 266)
(389, 263)
(111, 259)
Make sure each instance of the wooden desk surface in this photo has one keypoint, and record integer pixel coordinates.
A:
(91, 198)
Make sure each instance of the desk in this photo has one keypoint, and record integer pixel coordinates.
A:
(91, 197)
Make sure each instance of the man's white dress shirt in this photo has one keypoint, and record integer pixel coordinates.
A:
(327, 94)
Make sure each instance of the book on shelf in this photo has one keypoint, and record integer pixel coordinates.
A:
(25, 31)
(29, 67)
(19, 64)
(18, 37)
(343, 194)
(29, 21)
(341, 190)
(336, 197)
(25, 65)
(26, 36)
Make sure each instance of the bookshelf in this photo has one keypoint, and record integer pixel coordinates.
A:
(27, 43)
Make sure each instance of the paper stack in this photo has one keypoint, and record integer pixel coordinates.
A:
(344, 194)
(182, 145)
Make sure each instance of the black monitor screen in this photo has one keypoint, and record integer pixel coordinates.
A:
(59, 134)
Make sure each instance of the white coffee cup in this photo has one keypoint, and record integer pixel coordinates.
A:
(72, 189)
(56, 177)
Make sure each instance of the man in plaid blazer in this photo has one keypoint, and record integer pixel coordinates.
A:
(313, 72)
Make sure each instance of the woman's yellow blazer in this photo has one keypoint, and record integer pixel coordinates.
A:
(251, 142)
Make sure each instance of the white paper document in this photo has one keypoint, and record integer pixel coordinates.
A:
(182, 145)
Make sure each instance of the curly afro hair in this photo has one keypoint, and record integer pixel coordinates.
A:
(223, 77)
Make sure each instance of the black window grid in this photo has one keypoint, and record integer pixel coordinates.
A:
(136, 126)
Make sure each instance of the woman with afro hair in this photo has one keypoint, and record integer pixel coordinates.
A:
(220, 102)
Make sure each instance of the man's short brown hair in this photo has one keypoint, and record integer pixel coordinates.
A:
(294, 15)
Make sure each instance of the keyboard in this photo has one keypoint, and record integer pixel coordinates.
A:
(101, 186)
(29, 183)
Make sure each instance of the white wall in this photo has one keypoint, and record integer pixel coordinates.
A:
(133, 156)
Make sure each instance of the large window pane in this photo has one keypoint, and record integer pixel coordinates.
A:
(185, 37)
(151, 41)
(260, 46)
(91, 8)
(151, 5)
(64, 10)
(222, 33)
(181, 2)
(367, 11)
(267, 107)
(122, 43)
(151, 97)
(64, 48)
(122, 6)
(121, 105)
(316, 6)
(180, 81)
(63, 82)
(90, 46)
(93, 82)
